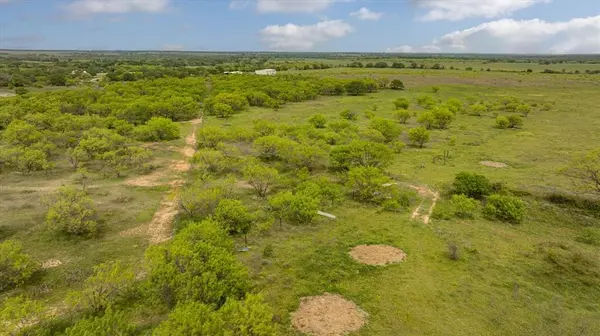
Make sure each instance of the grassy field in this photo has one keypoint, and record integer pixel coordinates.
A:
(534, 278)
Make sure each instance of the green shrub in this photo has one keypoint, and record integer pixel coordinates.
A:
(200, 201)
(15, 266)
(472, 185)
(515, 121)
(366, 184)
(397, 146)
(443, 117)
(402, 115)
(388, 128)
(273, 147)
(401, 104)
(349, 115)
(360, 153)
(369, 114)
(210, 136)
(318, 121)
(419, 136)
(396, 84)
(427, 119)
(464, 207)
(19, 312)
(212, 160)
(234, 216)
(262, 178)
(264, 127)
(505, 208)
(73, 212)
(371, 134)
(111, 323)
(157, 129)
(502, 122)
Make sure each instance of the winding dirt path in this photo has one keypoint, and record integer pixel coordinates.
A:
(424, 192)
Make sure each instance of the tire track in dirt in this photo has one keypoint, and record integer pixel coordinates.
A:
(425, 192)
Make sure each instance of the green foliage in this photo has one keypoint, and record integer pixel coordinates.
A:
(502, 122)
(371, 134)
(369, 184)
(250, 317)
(73, 212)
(515, 121)
(199, 200)
(222, 110)
(109, 284)
(210, 136)
(234, 216)
(584, 171)
(24, 159)
(272, 147)
(505, 208)
(195, 271)
(401, 103)
(396, 84)
(589, 236)
(360, 153)
(426, 101)
(279, 204)
(427, 119)
(19, 312)
(236, 103)
(419, 136)
(464, 207)
(212, 160)
(397, 146)
(340, 126)
(442, 116)
(523, 109)
(304, 156)
(369, 114)
(264, 127)
(477, 109)
(318, 120)
(349, 115)
(388, 128)
(454, 105)
(16, 267)
(302, 208)
(111, 323)
(20, 132)
(157, 129)
(356, 87)
(402, 115)
(209, 231)
(261, 177)
(472, 185)
(435, 89)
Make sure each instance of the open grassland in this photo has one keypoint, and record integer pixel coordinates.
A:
(534, 278)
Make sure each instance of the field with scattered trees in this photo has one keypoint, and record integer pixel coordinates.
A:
(151, 194)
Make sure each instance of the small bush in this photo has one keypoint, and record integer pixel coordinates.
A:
(390, 129)
(157, 129)
(472, 185)
(397, 146)
(419, 136)
(318, 121)
(464, 207)
(402, 115)
(15, 266)
(453, 251)
(505, 208)
(515, 121)
(502, 122)
(349, 115)
(369, 114)
(73, 212)
(401, 104)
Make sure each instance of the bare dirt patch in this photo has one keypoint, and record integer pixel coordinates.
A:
(377, 254)
(150, 180)
(7, 94)
(51, 263)
(180, 166)
(159, 229)
(493, 164)
(425, 193)
(328, 315)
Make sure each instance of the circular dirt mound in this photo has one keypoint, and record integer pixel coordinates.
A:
(328, 315)
(377, 254)
(493, 164)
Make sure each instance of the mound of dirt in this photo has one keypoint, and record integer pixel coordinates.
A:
(493, 164)
(328, 315)
(377, 254)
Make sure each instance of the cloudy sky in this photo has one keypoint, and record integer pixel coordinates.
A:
(473, 26)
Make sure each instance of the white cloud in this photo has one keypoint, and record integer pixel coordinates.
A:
(366, 14)
(461, 9)
(239, 4)
(87, 7)
(173, 47)
(578, 35)
(291, 6)
(400, 49)
(297, 37)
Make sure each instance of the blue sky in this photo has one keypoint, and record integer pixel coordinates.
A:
(508, 26)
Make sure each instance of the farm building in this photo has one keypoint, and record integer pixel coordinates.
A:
(267, 72)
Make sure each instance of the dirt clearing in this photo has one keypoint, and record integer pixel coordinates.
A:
(328, 315)
(493, 164)
(377, 254)
(425, 193)
(51, 263)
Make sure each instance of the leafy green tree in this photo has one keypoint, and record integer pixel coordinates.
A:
(464, 206)
(73, 212)
(113, 322)
(234, 217)
(356, 87)
(16, 267)
(318, 120)
(109, 283)
(426, 101)
(222, 110)
(397, 146)
(401, 104)
(372, 135)
(22, 133)
(199, 201)
(273, 147)
(158, 129)
(515, 121)
(502, 122)
(236, 101)
(419, 136)
(121, 159)
(478, 109)
(349, 115)
(250, 317)
(184, 271)
(210, 136)
(524, 109)
(427, 119)
(360, 153)
(505, 208)
(443, 117)
(212, 160)
(366, 183)
(208, 231)
(454, 105)
(472, 185)
(584, 170)
(304, 155)
(19, 312)
(264, 127)
(191, 318)
(396, 84)
(57, 79)
(24, 159)
(261, 177)
(302, 208)
(388, 128)
(402, 115)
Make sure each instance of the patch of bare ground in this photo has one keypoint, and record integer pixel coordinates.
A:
(493, 164)
(7, 94)
(425, 193)
(159, 229)
(51, 263)
(149, 180)
(328, 315)
(179, 166)
(377, 254)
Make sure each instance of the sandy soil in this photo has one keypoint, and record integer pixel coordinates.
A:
(377, 254)
(493, 164)
(425, 193)
(328, 315)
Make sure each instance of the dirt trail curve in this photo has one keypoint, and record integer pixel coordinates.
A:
(161, 226)
(424, 192)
